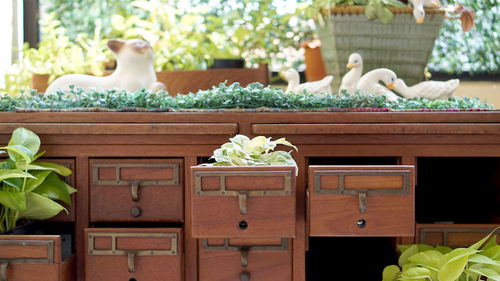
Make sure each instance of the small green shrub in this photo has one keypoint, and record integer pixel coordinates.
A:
(225, 96)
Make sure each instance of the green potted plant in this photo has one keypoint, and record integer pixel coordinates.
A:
(29, 191)
(480, 261)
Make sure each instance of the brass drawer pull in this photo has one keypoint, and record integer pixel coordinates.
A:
(245, 276)
(131, 261)
(134, 190)
(244, 256)
(242, 198)
(3, 271)
(362, 202)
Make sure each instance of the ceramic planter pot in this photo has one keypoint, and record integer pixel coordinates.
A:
(401, 45)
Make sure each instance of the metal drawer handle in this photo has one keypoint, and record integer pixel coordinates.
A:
(3, 271)
(362, 202)
(131, 261)
(134, 190)
(242, 198)
(245, 276)
(244, 256)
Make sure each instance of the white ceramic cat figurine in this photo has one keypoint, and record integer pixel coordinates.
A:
(134, 71)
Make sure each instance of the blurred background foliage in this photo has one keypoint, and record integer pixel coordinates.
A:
(189, 34)
(476, 52)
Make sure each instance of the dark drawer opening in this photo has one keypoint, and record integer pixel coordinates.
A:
(390, 160)
(349, 258)
(457, 190)
(135, 225)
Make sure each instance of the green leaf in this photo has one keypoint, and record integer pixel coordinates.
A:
(490, 273)
(431, 259)
(443, 249)
(390, 272)
(480, 243)
(370, 12)
(416, 273)
(54, 188)
(8, 174)
(60, 169)
(13, 200)
(412, 250)
(492, 253)
(452, 270)
(35, 182)
(479, 258)
(26, 138)
(19, 152)
(39, 207)
(491, 243)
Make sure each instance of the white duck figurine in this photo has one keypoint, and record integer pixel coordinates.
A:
(317, 87)
(351, 78)
(368, 84)
(431, 90)
(418, 8)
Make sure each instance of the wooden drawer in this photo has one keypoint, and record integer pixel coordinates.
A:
(136, 190)
(34, 258)
(263, 259)
(63, 216)
(143, 254)
(243, 201)
(453, 235)
(361, 201)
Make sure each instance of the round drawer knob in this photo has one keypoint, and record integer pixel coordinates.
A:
(135, 211)
(361, 223)
(243, 225)
(245, 276)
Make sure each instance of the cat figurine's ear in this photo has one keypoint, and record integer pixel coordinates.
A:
(115, 45)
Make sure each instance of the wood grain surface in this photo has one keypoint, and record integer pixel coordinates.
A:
(157, 202)
(148, 267)
(338, 214)
(266, 216)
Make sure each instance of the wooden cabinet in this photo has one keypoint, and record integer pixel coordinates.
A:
(361, 201)
(133, 254)
(125, 190)
(243, 201)
(34, 258)
(263, 259)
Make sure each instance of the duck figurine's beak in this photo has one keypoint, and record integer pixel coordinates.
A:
(350, 66)
(420, 21)
(282, 75)
(390, 86)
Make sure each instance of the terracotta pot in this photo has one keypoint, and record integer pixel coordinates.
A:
(315, 68)
(40, 82)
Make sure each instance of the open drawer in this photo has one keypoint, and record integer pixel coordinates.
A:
(133, 254)
(263, 259)
(34, 258)
(243, 201)
(361, 201)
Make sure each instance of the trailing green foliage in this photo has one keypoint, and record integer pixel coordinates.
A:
(29, 188)
(242, 151)
(477, 51)
(427, 263)
(233, 96)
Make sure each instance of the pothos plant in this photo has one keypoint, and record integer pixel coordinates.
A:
(243, 151)
(421, 262)
(29, 188)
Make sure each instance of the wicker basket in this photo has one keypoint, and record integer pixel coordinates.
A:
(401, 45)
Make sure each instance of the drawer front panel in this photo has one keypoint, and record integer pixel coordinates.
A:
(136, 190)
(453, 235)
(243, 202)
(237, 259)
(361, 201)
(29, 257)
(143, 254)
